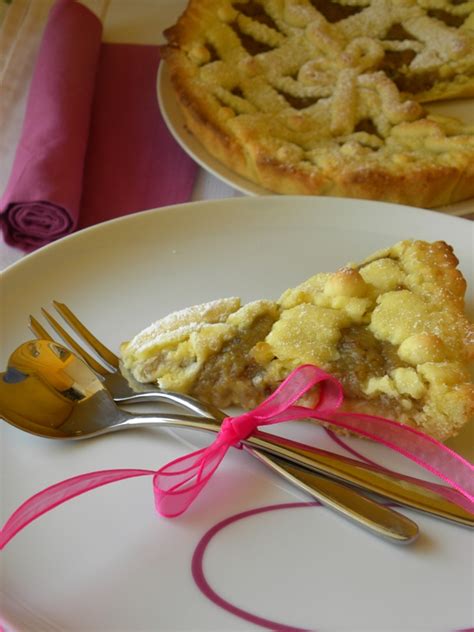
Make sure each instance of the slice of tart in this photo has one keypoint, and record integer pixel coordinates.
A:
(392, 329)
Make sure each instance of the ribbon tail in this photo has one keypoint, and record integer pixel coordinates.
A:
(420, 448)
(449, 493)
(55, 495)
(177, 484)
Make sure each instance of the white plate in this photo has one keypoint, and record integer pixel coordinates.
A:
(463, 109)
(105, 561)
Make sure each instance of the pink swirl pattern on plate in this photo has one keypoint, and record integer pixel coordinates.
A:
(211, 594)
(345, 446)
(197, 568)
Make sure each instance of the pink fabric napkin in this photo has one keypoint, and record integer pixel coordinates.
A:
(93, 144)
(132, 162)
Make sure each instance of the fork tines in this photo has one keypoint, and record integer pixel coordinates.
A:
(82, 332)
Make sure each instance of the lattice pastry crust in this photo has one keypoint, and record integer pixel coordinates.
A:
(392, 329)
(324, 97)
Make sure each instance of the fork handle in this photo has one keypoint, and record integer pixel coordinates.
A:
(397, 487)
(377, 518)
(187, 402)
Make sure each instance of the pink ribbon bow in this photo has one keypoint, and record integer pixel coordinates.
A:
(178, 483)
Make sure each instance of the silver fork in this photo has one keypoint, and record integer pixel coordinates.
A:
(119, 387)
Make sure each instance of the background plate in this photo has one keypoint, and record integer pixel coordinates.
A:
(105, 561)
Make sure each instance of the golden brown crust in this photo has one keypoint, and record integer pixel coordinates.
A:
(391, 328)
(300, 101)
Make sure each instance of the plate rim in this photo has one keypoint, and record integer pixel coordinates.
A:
(385, 207)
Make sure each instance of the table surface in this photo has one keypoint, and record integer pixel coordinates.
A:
(21, 27)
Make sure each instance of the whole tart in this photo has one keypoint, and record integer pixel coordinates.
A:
(392, 329)
(324, 97)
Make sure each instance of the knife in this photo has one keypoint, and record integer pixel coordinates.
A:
(404, 490)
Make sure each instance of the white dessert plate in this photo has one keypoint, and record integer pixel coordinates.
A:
(105, 561)
(461, 108)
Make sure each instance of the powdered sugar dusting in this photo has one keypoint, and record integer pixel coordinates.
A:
(182, 322)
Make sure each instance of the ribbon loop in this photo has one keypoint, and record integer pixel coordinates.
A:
(297, 384)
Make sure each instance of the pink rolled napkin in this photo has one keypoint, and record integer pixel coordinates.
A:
(93, 144)
(43, 194)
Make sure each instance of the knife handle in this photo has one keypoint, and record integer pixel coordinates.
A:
(397, 487)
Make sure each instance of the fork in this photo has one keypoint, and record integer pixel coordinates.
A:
(119, 387)
(403, 490)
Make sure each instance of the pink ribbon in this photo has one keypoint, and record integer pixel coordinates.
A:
(178, 483)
